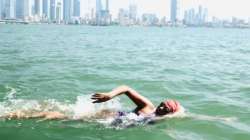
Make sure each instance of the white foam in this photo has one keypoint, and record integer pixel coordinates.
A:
(83, 107)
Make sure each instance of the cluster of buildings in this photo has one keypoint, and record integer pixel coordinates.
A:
(45, 11)
(97, 12)
(193, 18)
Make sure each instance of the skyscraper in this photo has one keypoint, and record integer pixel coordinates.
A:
(46, 9)
(58, 12)
(173, 16)
(1, 9)
(23, 9)
(52, 10)
(77, 8)
(10, 12)
(102, 15)
(38, 8)
(133, 13)
(107, 5)
(98, 11)
(67, 10)
(98, 6)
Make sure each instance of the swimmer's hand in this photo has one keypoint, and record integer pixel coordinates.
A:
(100, 97)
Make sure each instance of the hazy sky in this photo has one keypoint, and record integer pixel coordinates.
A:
(219, 8)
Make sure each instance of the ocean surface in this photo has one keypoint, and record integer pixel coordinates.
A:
(57, 68)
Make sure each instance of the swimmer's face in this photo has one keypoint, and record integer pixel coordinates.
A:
(162, 109)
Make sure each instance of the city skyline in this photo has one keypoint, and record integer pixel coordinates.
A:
(161, 8)
(221, 9)
(102, 13)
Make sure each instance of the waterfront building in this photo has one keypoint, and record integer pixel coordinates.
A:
(68, 8)
(77, 8)
(149, 19)
(0, 10)
(133, 13)
(103, 17)
(38, 8)
(56, 10)
(52, 10)
(192, 18)
(173, 12)
(23, 9)
(10, 12)
(46, 9)
(123, 17)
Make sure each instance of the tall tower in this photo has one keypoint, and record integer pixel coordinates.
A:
(133, 12)
(107, 5)
(77, 8)
(38, 8)
(58, 12)
(46, 8)
(67, 10)
(98, 6)
(52, 10)
(173, 12)
(0, 10)
(98, 11)
(20, 9)
(9, 9)
(23, 9)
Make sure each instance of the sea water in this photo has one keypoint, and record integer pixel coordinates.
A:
(58, 68)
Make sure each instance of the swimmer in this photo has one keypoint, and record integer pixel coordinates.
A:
(144, 106)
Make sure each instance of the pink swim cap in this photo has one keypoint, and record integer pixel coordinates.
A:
(172, 105)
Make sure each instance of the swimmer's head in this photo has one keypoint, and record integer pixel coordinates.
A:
(167, 107)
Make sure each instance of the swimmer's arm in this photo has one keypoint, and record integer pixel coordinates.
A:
(138, 99)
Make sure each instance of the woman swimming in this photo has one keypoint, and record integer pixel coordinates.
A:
(144, 107)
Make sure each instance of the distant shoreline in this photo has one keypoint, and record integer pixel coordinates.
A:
(183, 26)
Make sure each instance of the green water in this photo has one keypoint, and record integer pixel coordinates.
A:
(207, 70)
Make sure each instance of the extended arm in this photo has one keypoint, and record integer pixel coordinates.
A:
(138, 99)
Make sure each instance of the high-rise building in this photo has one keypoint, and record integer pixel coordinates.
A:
(20, 9)
(123, 17)
(67, 10)
(2, 8)
(173, 12)
(46, 9)
(56, 10)
(102, 15)
(149, 19)
(133, 13)
(193, 18)
(107, 5)
(98, 7)
(52, 10)
(23, 9)
(10, 12)
(77, 8)
(38, 9)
